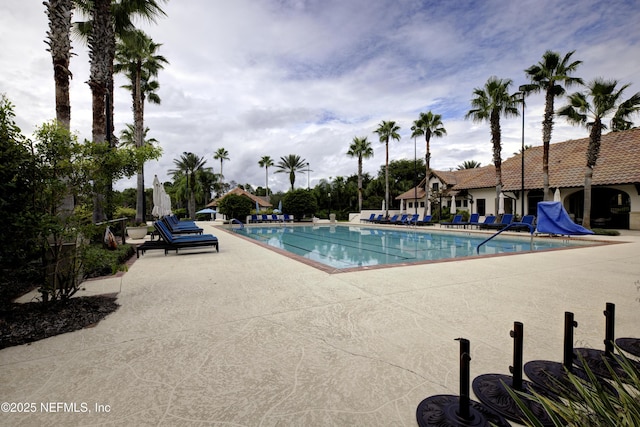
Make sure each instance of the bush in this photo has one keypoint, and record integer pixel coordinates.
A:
(98, 261)
(235, 206)
(299, 203)
(603, 232)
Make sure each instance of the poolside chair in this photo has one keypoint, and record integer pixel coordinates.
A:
(265, 218)
(254, 218)
(402, 219)
(189, 227)
(413, 219)
(389, 220)
(426, 220)
(287, 218)
(504, 221)
(173, 242)
(274, 218)
(457, 220)
(488, 220)
(473, 220)
(526, 223)
(378, 219)
(370, 219)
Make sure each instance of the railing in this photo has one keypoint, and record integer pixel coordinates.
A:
(515, 224)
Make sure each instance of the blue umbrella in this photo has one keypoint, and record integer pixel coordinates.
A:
(207, 211)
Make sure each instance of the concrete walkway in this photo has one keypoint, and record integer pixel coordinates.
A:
(248, 337)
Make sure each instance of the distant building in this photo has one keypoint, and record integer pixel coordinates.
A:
(615, 185)
(262, 203)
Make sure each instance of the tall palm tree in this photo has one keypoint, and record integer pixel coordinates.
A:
(222, 155)
(107, 19)
(490, 103)
(428, 124)
(362, 149)
(387, 130)
(59, 34)
(591, 108)
(266, 162)
(189, 165)
(291, 164)
(136, 58)
(551, 76)
(468, 164)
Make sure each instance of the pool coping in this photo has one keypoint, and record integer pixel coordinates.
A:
(589, 242)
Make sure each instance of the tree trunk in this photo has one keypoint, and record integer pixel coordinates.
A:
(497, 150)
(547, 126)
(386, 182)
(138, 130)
(427, 162)
(586, 214)
(360, 183)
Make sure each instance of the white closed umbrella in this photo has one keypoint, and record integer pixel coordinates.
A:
(157, 197)
(556, 196)
(166, 203)
(501, 204)
(453, 208)
(428, 207)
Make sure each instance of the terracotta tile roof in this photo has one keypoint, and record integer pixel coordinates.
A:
(240, 192)
(618, 163)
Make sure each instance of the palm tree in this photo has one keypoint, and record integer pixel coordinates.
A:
(591, 108)
(189, 165)
(550, 75)
(428, 124)
(221, 155)
(490, 103)
(136, 58)
(59, 13)
(387, 130)
(291, 164)
(468, 164)
(108, 19)
(362, 149)
(265, 162)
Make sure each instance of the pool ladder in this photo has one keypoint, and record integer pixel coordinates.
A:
(531, 229)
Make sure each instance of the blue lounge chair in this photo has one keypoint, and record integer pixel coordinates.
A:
(274, 218)
(401, 220)
(173, 242)
(288, 218)
(370, 219)
(504, 221)
(378, 219)
(426, 220)
(265, 218)
(254, 218)
(390, 220)
(457, 220)
(473, 220)
(525, 224)
(488, 220)
(413, 219)
(189, 227)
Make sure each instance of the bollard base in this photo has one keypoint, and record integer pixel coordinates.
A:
(443, 410)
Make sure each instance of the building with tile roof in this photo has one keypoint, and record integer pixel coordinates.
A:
(615, 183)
(264, 204)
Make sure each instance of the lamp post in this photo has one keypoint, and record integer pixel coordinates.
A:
(307, 175)
(329, 194)
(523, 92)
(415, 176)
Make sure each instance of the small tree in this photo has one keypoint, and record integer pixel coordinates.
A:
(299, 203)
(235, 206)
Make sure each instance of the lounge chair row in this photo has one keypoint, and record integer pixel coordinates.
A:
(270, 218)
(490, 223)
(172, 241)
(404, 219)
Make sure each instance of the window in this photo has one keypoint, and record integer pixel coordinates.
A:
(435, 186)
(422, 204)
(410, 204)
(481, 205)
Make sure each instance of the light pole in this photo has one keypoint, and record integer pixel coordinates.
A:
(415, 176)
(523, 92)
(329, 194)
(307, 175)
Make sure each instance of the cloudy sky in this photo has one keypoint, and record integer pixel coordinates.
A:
(279, 77)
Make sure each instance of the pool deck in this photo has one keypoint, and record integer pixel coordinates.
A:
(249, 337)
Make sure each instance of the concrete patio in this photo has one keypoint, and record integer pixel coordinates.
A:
(248, 337)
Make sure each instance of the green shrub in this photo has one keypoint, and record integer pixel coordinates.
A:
(605, 232)
(235, 206)
(300, 203)
(98, 261)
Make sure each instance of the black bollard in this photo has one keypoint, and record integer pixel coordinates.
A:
(465, 378)
(569, 324)
(609, 334)
(516, 369)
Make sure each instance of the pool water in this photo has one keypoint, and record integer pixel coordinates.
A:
(342, 247)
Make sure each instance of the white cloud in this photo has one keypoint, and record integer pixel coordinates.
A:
(305, 77)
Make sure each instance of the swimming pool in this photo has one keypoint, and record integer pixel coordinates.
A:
(345, 247)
